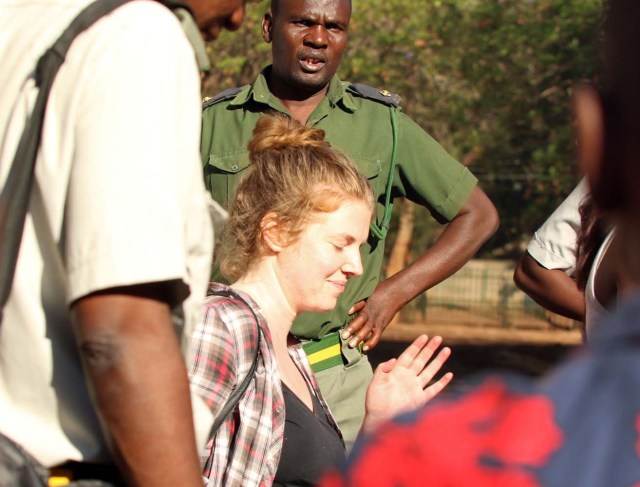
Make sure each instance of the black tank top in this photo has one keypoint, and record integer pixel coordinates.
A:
(311, 445)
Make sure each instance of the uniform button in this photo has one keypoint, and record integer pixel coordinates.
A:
(234, 167)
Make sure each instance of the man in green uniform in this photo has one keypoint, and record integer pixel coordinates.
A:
(308, 39)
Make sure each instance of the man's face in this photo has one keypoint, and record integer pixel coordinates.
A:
(308, 39)
(214, 15)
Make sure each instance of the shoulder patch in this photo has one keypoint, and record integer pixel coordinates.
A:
(227, 94)
(371, 93)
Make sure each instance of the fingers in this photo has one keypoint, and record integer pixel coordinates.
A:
(416, 355)
(419, 358)
(357, 307)
(437, 387)
(373, 339)
(433, 367)
(385, 367)
(358, 330)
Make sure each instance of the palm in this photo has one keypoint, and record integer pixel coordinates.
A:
(402, 384)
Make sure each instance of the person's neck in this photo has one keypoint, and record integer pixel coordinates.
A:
(299, 103)
(262, 284)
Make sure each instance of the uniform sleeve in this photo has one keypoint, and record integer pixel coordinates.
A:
(553, 245)
(136, 201)
(427, 175)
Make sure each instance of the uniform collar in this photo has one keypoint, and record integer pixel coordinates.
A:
(258, 92)
(338, 95)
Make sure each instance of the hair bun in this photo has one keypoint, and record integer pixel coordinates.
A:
(278, 131)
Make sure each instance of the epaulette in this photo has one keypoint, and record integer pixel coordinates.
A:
(371, 93)
(227, 94)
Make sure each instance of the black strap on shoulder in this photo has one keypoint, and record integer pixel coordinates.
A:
(227, 94)
(14, 198)
(369, 92)
(240, 389)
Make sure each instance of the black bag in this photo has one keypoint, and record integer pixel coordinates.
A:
(18, 467)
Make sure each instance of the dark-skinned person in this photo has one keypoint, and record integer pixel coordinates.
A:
(118, 234)
(308, 39)
(579, 425)
(291, 244)
(546, 271)
(567, 268)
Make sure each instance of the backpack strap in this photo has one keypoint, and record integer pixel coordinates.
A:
(14, 198)
(239, 389)
(225, 95)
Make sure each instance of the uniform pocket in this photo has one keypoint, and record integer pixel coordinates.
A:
(223, 175)
(369, 167)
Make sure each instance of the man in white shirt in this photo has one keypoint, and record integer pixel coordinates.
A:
(117, 236)
(545, 271)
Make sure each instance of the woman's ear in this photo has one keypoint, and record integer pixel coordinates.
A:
(271, 232)
(589, 115)
(267, 24)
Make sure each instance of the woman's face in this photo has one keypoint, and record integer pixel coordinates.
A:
(313, 270)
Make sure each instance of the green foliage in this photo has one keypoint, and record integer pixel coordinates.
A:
(237, 57)
(491, 80)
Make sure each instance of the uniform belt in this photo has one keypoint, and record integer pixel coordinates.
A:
(68, 472)
(325, 353)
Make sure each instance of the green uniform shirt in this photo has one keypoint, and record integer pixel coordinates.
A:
(359, 127)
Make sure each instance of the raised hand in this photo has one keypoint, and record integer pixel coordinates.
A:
(403, 384)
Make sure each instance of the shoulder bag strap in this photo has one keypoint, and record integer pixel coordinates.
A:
(14, 198)
(240, 389)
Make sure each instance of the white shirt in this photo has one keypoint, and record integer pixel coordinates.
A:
(118, 200)
(554, 244)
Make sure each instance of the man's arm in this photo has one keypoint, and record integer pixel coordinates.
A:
(139, 384)
(461, 239)
(552, 289)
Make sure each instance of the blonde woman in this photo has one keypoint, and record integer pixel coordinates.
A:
(292, 242)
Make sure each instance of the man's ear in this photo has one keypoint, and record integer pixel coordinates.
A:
(589, 115)
(267, 25)
(271, 232)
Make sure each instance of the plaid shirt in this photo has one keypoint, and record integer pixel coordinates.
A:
(246, 448)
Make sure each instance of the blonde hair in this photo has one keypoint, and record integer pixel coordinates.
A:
(295, 174)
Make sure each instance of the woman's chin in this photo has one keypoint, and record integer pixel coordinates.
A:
(323, 307)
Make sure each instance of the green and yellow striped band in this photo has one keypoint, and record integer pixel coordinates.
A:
(325, 353)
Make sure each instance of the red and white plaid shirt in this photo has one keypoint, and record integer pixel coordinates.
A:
(246, 449)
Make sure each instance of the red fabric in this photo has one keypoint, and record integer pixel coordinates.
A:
(457, 443)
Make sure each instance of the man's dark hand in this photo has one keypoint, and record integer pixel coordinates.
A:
(372, 318)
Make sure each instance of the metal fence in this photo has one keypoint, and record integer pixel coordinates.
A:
(483, 293)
